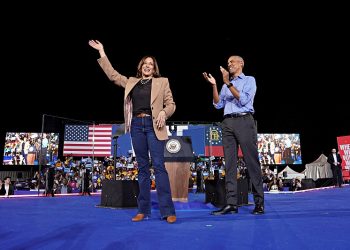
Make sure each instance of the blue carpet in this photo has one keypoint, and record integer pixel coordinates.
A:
(310, 220)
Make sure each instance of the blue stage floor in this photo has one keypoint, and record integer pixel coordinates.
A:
(317, 219)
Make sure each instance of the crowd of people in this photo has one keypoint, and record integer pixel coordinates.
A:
(30, 148)
(274, 183)
(279, 149)
(75, 175)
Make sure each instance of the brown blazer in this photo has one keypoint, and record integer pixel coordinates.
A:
(161, 96)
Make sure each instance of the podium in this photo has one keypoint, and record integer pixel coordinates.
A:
(178, 155)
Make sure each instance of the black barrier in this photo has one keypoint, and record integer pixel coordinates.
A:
(215, 192)
(324, 182)
(307, 184)
(119, 193)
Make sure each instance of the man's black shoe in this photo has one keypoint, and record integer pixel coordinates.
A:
(228, 209)
(258, 210)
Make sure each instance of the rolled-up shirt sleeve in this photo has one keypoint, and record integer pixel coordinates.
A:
(248, 91)
(221, 102)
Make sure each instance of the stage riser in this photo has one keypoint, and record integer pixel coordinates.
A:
(215, 192)
(119, 193)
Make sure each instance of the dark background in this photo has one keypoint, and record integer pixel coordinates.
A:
(298, 55)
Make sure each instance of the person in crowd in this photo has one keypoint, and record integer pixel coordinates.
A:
(148, 103)
(296, 184)
(238, 129)
(31, 156)
(85, 185)
(335, 160)
(43, 152)
(7, 188)
(49, 181)
(267, 177)
(63, 187)
(276, 184)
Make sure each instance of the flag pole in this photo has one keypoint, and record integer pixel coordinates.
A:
(40, 153)
(93, 155)
(210, 146)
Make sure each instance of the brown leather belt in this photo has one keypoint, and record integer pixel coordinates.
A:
(142, 115)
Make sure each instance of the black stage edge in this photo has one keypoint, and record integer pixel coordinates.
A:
(215, 192)
(119, 193)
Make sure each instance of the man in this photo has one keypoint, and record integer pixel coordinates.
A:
(7, 188)
(335, 160)
(85, 177)
(49, 181)
(238, 129)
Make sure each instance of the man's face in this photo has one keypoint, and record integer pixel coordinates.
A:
(334, 151)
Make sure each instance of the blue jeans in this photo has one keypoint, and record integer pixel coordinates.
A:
(145, 143)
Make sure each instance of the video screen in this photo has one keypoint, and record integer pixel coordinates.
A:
(279, 149)
(30, 148)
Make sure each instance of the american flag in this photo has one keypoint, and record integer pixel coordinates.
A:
(88, 140)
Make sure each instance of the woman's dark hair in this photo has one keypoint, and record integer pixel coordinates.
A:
(155, 65)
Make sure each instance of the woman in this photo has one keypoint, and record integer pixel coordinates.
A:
(148, 102)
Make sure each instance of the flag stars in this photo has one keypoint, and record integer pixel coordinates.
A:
(76, 133)
(213, 136)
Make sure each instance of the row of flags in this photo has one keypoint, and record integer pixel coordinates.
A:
(97, 140)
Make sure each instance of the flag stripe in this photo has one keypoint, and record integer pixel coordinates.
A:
(85, 153)
(79, 143)
(96, 138)
(85, 140)
(88, 148)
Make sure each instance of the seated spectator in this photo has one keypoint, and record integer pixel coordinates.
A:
(275, 185)
(280, 183)
(296, 184)
(7, 188)
(266, 180)
(64, 188)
